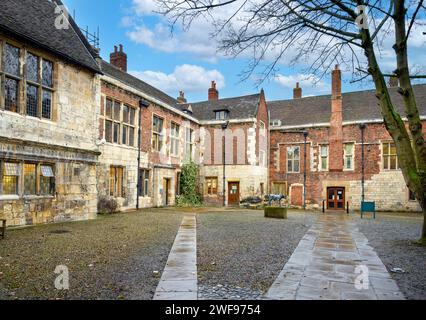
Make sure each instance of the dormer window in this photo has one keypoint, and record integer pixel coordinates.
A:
(222, 114)
(275, 123)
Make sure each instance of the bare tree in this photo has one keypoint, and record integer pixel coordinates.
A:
(323, 33)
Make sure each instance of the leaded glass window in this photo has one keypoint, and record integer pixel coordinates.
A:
(11, 94)
(32, 100)
(10, 178)
(30, 179)
(12, 65)
(47, 180)
(32, 68)
(47, 74)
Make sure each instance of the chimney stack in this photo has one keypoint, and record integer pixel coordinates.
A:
(393, 82)
(181, 98)
(118, 58)
(297, 92)
(336, 82)
(213, 93)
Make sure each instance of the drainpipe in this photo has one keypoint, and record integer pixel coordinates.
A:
(305, 135)
(224, 127)
(142, 104)
(362, 126)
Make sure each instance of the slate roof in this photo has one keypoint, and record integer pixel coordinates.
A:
(239, 107)
(34, 21)
(357, 106)
(136, 83)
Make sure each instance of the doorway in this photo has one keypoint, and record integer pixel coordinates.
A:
(336, 198)
(233, 193)
(166, 192)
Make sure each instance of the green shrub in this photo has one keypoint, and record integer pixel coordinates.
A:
(189, 193)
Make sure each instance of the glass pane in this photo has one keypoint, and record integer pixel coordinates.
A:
(11, 169)
(108, 131)
(117, 111)
(108, 111)
(386, 148)
(126, 114)
(290, 153)
(32, 67)
(12, 65)
(290, 166)
(116, 132)
(47, 73)
(10, 185)
(386, 162)
(349, 148)
(46, 185)
(47, 171)
(46, 107)
(393, 162)
(392, 148)
(32, 101)
(296, 166)
(348, 162)
(30, 179)
(11, 95)
(124, 140)
(132, 137)
(296, 153)
(324, 163)
(132, 116)
(324, 151)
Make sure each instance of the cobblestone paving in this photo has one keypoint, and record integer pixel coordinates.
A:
(328, 261)
(226, 292)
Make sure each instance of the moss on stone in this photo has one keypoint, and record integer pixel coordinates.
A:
(276, 212)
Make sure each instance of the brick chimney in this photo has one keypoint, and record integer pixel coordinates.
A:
(118, 58)
(181, 98)
(336, 123)
(213, 93)
(297, 92)
(393, 82)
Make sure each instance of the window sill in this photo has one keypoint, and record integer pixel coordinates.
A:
(36, 197)
(49, 121)
(9, 197)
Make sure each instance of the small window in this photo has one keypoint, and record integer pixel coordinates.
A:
(275, 123)
(324, 158)
(349, 156)
(293, 159)
(47, 180)
(30, 179)
(143, 183)
(222, 115)
(211, 184)
(116, 181)
(10, 178)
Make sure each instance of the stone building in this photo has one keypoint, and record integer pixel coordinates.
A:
(233, 132)
(49, 94)
(334, 150)
(168, 139)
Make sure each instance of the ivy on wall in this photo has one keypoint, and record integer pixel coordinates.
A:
(190, 195)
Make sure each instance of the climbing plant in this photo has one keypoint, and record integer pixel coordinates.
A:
(189, 195)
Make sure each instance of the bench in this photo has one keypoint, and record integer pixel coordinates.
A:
(2, 228)
(368, 207)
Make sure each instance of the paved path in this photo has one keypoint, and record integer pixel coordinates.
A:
(179, 278)
(327, 263)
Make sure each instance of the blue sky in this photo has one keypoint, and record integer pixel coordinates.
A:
(187, 60)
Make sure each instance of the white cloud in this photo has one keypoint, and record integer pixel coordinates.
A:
(306, 81)
(189, 78)
(145, 7)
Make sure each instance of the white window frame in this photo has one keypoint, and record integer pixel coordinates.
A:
(174, 139)
(320, 156)
(383, 143)
(293, 159)
(345, 156)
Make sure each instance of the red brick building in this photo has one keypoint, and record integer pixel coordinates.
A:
(334, 146)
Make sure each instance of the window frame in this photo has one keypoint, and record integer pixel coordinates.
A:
(346, 156)
(221, 115)
(321, 157)
(144, 177)
(118, 184)
(292, 159)
(174, 139)
(189, 144)
(157, 139)
(210, 190)
(389, 156)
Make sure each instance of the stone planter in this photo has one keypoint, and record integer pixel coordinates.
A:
(276, 212)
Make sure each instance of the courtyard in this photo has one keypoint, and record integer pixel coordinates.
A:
(240, 255)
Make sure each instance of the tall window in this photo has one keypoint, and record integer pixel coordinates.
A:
(157, 133)
(390, 158)
(293, 159)
(116, 181)
(324, 158)
(211, 184)
(349, 154)
(47, 180)
(143, 183)
(119, 123)
(174, 139)
(128, 129)
(12, 77)
(30, 179)
(189, 144)
(9, 175)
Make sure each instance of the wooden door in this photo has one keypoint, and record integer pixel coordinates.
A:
(336, 198)
(233, 193)
(166, 192)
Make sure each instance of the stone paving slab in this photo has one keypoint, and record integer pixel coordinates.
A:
(179, 278)
(324, 265)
